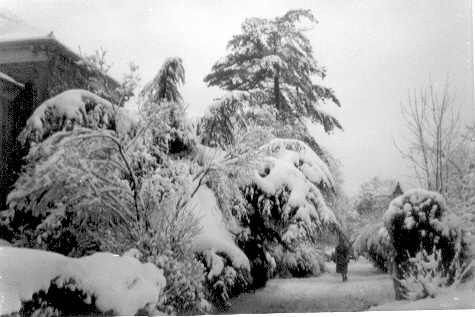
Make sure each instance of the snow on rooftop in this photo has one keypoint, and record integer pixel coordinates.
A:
(118, 283)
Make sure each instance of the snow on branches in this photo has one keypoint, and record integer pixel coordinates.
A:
(293, 165)
(214, 235)
(303, 157)
(82, 169)
(71, 108)
(274, 57)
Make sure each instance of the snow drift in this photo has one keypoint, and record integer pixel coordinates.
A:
(451, 299)
(119, 284)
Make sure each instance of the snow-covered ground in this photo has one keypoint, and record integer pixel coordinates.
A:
(366, 287)
(457, 299)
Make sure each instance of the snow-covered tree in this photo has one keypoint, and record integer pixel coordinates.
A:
(236, 112)
(164, 87)
(374, 197)
(373, 242)
(286, 213)
(461, 185)
(433, 125)
(96, 63)
(273, 59)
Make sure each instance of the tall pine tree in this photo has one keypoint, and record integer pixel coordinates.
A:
(164, 87)
(274, 59)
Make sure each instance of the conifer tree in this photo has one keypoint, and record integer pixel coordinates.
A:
(164, 87)
(273, 58)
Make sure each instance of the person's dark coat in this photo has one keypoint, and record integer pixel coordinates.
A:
(342, 258)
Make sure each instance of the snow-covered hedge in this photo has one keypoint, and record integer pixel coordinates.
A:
(418, 222)
(118, 284)
(374, 243)
(301, 261)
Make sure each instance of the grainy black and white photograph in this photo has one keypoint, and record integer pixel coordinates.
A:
(179, 157)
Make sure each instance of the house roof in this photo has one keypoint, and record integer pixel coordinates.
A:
(51, 41)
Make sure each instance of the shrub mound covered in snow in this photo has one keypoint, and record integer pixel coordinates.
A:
(71, 108)
(301, 156)
(285, 211)
(303, 260)
(226, 266)
(420, 227)
(105, 282)
(293, 166)
(374, 243)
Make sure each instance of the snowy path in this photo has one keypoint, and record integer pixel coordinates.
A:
(366, 287)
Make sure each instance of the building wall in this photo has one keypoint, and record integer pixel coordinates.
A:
(8, 93)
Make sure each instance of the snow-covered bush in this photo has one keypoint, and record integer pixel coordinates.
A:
(223, 280)
(185, 276)
(426, 276)
(86, 190)
(166, 130)
(168, 241)
(100, 283)
(418, 222)
(188, 221)
(75, 178)
(72, 108)
(374, 243)
(285, 206)
(302, 261)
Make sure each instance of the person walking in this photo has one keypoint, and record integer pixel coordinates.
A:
(342, 258)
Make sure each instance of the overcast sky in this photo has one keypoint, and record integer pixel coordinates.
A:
(375, 51)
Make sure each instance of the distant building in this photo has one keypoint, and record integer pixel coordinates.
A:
(397, 191)
(31, 71)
